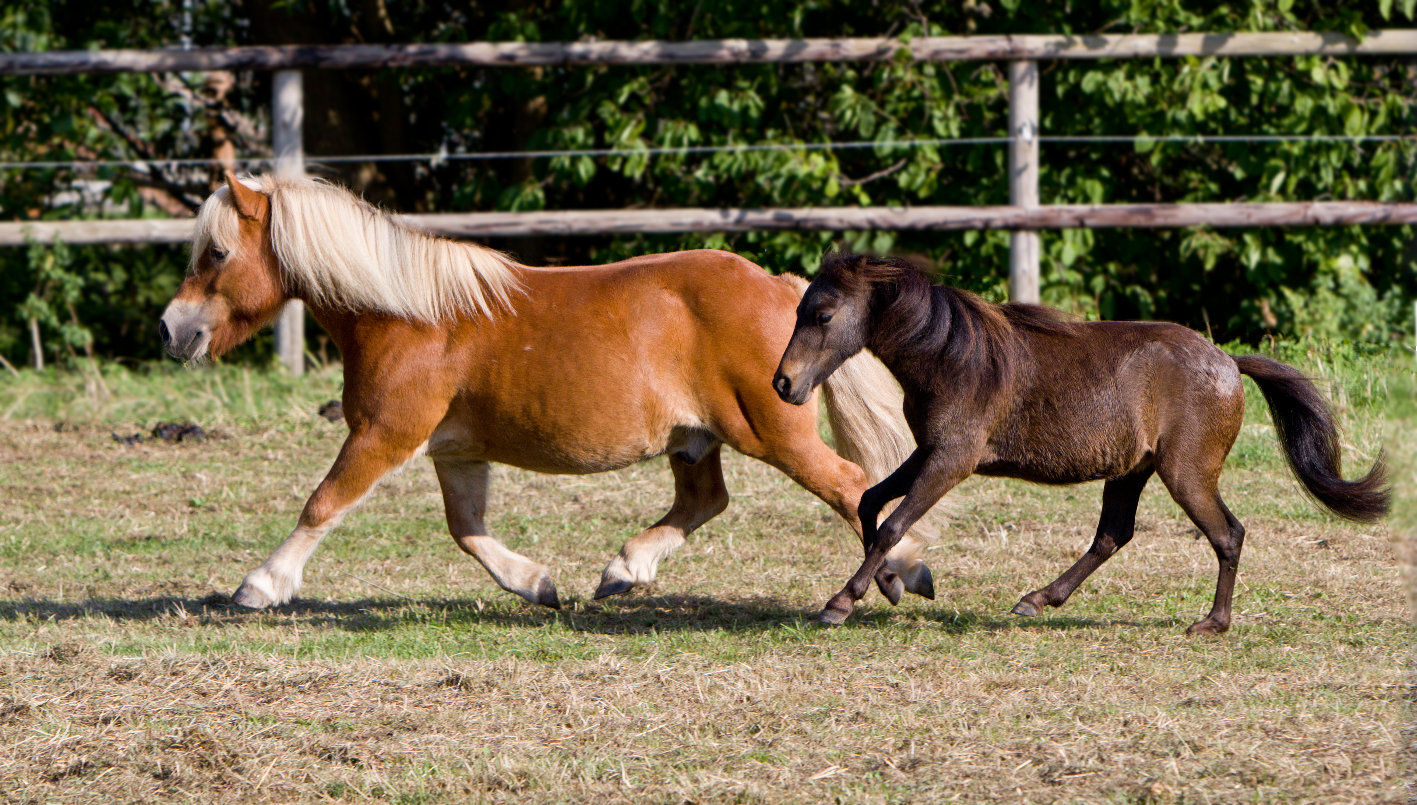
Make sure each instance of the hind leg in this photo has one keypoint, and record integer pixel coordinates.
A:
(699, 496)
(1197, 492)
(464, 486)
(1114, 530)
(1227, 537)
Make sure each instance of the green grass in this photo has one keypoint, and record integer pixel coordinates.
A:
(403, 674)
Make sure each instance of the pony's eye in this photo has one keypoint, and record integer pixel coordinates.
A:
(823, 317)
(217, 252)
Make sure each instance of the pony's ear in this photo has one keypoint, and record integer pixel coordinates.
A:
(248, 203)
(854, 265)
(842, 259)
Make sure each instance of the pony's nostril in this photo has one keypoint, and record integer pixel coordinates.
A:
(782, 384)
(163, 332)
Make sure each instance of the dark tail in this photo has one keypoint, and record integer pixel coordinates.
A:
(1305, 426)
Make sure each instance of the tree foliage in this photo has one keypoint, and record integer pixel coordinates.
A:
(1355, 283)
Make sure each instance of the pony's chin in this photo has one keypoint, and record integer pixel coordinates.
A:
(799, 397)
(198, 354)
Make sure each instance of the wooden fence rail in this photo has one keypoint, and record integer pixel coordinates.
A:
(1024, 215)
(721, 51)
(668, 221)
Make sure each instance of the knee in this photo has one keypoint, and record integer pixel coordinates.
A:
(889, 534)
(869, 509)
(1105, 545)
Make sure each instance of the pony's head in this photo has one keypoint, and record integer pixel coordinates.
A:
(832, 322)
(233, 285)
(262, 240)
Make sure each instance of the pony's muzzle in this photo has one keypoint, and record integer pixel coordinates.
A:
(183, 331)
(792, 393)
(783, 384)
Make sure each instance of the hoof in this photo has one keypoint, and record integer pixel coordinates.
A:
(1025, 609)
(1207, 627)
(922, 583)
(836, 610)
(609, 587)
(546, 594)
(890, 586)
(250, 598)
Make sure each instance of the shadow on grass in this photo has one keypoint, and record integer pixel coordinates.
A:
(624, 616)
(971, 622)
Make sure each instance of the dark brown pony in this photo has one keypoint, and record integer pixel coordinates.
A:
(1015, 390)
(455, 350)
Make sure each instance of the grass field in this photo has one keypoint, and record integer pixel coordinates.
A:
(403, 674)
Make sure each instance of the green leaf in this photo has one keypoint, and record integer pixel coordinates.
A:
(1353, 121)
(1277, 182)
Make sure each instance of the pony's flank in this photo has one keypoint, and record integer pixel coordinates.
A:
(337, 250)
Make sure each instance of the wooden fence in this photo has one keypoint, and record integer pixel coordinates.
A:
(1025, 216)
(690, 219)
(721, 51)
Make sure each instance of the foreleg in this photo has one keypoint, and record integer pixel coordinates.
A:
(368, 454)
(929, 473)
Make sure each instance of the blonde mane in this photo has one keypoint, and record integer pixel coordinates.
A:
(336, 249)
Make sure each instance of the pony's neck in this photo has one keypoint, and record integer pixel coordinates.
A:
(940, 339)
(910, 325)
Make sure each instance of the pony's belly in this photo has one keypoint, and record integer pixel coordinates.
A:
(542, 447)
(1069, 461)
(1047, 474)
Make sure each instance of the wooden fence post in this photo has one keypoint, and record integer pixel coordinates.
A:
(287, 122)
(1023, 177)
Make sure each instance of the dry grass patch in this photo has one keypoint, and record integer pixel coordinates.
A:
(405, 675)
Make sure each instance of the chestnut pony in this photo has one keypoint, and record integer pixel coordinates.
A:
(1017, 391)
(456, 350)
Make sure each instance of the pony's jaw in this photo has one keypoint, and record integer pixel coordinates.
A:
(186, 330)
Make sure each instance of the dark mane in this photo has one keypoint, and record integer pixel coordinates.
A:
(915, 316)
(1039, 318)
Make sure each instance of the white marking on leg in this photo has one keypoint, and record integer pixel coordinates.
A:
(907, 559)
(512, 571)
(641, 556)
(465, 498)
(277, 580)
